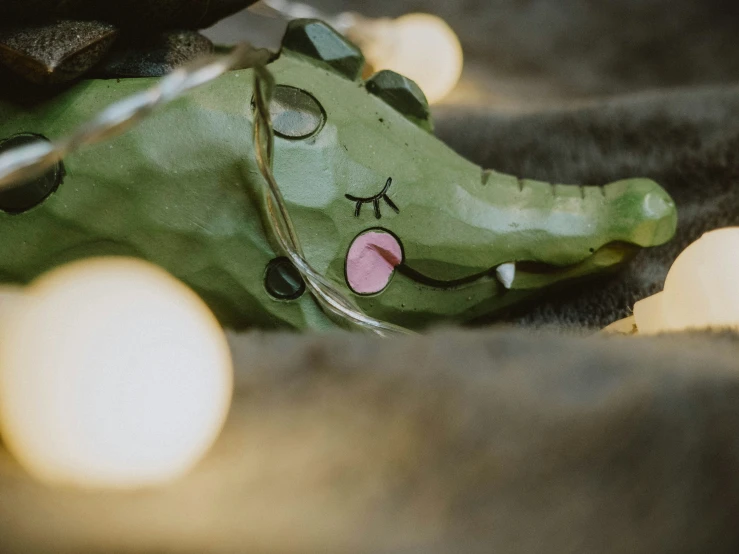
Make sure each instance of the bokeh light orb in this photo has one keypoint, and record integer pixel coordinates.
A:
(700, 290)
(113, 374)
(428, 52)
(423, 47)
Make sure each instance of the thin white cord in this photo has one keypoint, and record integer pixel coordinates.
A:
(27, 162)
(326, 293)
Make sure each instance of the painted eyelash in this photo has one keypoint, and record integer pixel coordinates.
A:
(382, 195)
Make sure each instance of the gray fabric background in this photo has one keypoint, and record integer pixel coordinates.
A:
(529, 52)
(494, 440)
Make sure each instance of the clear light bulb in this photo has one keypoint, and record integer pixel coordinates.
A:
(420, 46)
(700, 291)
(113, 374)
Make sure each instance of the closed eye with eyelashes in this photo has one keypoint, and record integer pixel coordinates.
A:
(374, 200)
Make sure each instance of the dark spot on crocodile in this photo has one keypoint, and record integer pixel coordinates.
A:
(317, 40)
(32, 192)
(403, 95)
(295, 113)
(282, 280)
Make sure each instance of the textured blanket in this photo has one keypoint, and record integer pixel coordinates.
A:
(507, 439)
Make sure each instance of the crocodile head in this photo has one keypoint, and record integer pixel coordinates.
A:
(406, 227)
(414, 231)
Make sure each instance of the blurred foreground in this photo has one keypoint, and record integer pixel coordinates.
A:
(478, 442)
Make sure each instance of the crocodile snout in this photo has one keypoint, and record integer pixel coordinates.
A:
(641, 212)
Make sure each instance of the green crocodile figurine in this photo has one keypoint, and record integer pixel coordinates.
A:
(410, 230)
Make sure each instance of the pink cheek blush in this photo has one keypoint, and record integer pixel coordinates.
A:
(371, 261)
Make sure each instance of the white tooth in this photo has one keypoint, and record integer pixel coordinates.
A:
(506, 273)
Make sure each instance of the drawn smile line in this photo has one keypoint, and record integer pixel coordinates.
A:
(419, 277)
(505, 274)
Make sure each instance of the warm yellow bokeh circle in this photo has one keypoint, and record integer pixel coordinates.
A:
(112, 374)
(700, 291)
(701, 287)
(421, 46)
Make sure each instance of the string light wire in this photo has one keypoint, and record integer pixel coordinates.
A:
(325, 292)
(30, 161)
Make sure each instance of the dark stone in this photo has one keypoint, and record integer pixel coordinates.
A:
(402, 94)
(138, 14)
(30, 193)
(55, 52)
(154, 56)
(315, 39)
(283, 281)
(295, 113)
